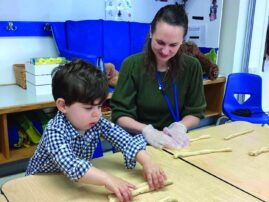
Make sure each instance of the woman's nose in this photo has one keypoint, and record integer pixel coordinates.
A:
(165, 50)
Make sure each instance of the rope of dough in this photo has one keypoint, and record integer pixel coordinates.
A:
(200, 138)
(140, 189)
(238, 134)
(200, 152)
(259, 151)
(168, 199)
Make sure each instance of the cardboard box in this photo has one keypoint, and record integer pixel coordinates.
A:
(38, 79)
(39, 89)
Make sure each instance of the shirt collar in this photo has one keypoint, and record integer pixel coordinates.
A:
(70, 128)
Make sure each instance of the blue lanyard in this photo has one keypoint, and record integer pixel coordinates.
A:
(161, 87)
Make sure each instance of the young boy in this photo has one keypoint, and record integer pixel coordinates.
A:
(70, 138)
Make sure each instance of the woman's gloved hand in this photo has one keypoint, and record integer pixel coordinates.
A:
(159, 139)
(178, 132)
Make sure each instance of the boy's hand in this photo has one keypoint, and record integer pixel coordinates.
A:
(121, 188)
(154, 175)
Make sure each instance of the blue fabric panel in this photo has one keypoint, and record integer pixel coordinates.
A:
(59, 35)
(24, 28)
(138, 33)
(116, 42)
(71, 55)
(85, 36)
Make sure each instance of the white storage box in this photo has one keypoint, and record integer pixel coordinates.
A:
(38, 79)
(44, 69)
(39, 89)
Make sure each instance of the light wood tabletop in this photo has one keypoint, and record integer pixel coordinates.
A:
(189, 184)
(249, 173)
(2, 198)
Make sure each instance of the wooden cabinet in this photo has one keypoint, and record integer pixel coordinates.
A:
(214, 91)
(15, 99)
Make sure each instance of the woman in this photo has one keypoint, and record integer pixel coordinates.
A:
(160, 91)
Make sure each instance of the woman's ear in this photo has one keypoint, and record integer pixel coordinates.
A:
(60, 104)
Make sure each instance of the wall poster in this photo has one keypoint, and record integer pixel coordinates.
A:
(120, 10)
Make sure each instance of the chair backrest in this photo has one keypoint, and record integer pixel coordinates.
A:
(243, 84)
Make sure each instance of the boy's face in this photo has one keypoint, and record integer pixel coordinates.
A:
(83, 116)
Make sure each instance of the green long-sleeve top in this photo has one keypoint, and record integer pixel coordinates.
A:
(138, 96)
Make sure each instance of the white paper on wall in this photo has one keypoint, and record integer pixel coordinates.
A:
(197, 33)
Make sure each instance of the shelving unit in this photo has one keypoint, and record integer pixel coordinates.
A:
(15, 99)
(214, 91)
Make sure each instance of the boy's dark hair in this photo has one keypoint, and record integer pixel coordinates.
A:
(173, 15)
(79, 81)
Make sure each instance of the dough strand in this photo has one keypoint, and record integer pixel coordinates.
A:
(140, 189)
(238, 134)
(200, 138)
(259, 151)
(200, 152)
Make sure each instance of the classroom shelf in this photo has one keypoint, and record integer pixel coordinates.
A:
(15, 99)
(214, 91)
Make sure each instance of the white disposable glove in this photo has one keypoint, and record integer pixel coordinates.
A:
(159, 139)
(179, 133)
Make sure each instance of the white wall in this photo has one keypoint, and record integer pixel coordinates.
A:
(232, 40)
(21, 49)
(257, 48)
(209, 31)
(258, 36)
(232, 36)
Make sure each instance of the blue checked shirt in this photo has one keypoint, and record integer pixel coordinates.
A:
(63, 149)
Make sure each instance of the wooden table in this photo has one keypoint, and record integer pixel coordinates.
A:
(2, 198)
(190, 184)
(237, 167)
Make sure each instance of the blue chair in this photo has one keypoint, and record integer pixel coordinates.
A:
(250, 109)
